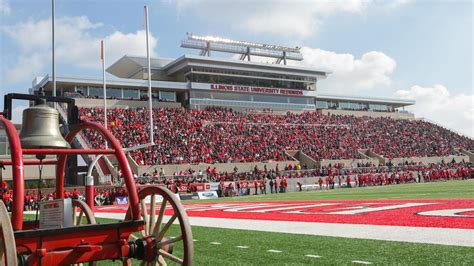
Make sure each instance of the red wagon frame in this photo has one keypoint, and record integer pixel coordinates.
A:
(91, 242)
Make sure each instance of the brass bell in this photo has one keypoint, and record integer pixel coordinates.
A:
(40, 128)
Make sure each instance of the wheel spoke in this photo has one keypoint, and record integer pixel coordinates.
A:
(74, 215)
(145, 218)
(169, 241)
(79, 218)
(133, 237)
(160, 217)
(166, 227)
(157, 226)
(8, 247)
(152, 213)
(2, 249)
(170, 256)
(161, 261)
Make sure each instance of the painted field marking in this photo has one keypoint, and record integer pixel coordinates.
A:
(216, 243)
(195, 240)
(242, 246)
(312, 256)
(274, 251)
(361, 262)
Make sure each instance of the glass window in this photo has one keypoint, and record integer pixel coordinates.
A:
(271, 99)
(96, 92)
(201, 94)
(231, 96)
(343, 105)
(321, 104)
(168, 96)
(332, 105)
(378, 107)
(67, 90)
(144, 94)
(351, 106)
(130, 94)
(299, 100)
(114, 93)
(81, 90)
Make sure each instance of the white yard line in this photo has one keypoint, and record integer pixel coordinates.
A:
(428, 235)
(361, 262)
(274, 251)
(312, 256)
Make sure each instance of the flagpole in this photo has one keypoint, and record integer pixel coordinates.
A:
(102, 57)
(150, 104)
(53, 18)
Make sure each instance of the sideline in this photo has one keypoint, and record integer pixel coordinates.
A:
(440, 236)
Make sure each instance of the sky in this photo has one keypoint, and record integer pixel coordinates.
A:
(410, 49)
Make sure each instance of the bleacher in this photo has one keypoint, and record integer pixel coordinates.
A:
(220, 135)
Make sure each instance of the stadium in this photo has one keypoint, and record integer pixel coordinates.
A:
(268, 170)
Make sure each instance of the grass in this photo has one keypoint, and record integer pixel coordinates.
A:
(333, 250)
(437, 190)
(294, 248)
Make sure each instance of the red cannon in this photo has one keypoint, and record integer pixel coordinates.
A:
(146, 234)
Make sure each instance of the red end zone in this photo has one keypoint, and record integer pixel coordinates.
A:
(457, 213)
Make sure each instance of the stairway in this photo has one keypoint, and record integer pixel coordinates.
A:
(103, 166)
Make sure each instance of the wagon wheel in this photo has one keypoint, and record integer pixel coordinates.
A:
(164, 242)
(83, 212)
(78, 216)
(7, 240)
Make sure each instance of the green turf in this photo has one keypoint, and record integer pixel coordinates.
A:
(333, 250)
(436, 190)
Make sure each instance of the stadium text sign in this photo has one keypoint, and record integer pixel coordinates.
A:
(238, 88)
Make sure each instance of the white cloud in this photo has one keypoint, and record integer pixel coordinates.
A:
(391, 4)
(4, 7)
(76, 45)
(299, 18)
(27, 66)
(438, 104)
(17, 114)
(291, 18)
(350, 74)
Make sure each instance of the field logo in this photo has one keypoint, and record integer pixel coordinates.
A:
(464, 213)
(364, 209)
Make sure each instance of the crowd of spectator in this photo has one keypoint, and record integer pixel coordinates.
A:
(258, 180)
(220, 135)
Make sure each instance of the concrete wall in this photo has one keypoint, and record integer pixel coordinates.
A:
(91, 103)
(31, 171)
(469, 154)
(424, 160)
(306, 159)
(394, 115)
(429, 160)
(349, 163)
(374, 155)
(222, 167)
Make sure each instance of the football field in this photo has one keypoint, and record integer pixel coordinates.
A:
(412, 224)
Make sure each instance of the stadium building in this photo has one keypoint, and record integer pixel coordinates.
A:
(199, 81)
